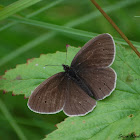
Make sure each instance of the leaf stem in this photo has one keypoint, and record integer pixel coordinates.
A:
(115, 26)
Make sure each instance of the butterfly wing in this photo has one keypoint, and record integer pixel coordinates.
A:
(92, 63)
(102, 81)
(98, 52)
(49, 96)
(78, 103)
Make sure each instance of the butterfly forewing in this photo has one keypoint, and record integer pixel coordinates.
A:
(101, 81)
(78, 103)
(98, 52)
(49, 96)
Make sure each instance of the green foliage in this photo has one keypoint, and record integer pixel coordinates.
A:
(44, 28)
(114, 117)
(24, 78)
(120, 109)
(15, 7)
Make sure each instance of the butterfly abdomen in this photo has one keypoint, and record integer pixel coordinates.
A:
(72, 74)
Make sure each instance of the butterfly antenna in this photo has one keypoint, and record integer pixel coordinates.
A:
(66, 53)
(53, 65)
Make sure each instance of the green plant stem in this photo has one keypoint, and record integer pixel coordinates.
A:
(115, 27)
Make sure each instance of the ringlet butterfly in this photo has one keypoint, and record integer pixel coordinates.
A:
(75, 91)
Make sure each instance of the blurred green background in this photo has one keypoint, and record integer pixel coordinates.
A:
(19, 42)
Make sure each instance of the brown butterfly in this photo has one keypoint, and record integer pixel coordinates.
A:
(75, 91)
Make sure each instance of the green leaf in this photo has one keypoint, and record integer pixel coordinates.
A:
(115, 117)
(24, 78)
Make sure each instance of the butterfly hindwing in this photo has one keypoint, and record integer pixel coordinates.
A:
(78, 103)
(49, 96)
(101, 81)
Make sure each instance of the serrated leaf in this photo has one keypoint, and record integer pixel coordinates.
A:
(26, 77)
(115, 117)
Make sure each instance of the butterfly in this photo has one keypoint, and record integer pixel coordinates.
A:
(87, 79)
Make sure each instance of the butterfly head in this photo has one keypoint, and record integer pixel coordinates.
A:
(66, 67)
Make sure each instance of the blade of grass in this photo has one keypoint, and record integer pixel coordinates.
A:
(24, 48)
(61, 28)
(8, 25)
(16, 7)
(52, 26)
(46, 36)
(82, 19)
(76, 22)
(52, 4)
(46, 7)
(11, 120)
(25, 121)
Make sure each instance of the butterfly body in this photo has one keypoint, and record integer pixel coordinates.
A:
(69, 71)
(87, 79)
(72, 74)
